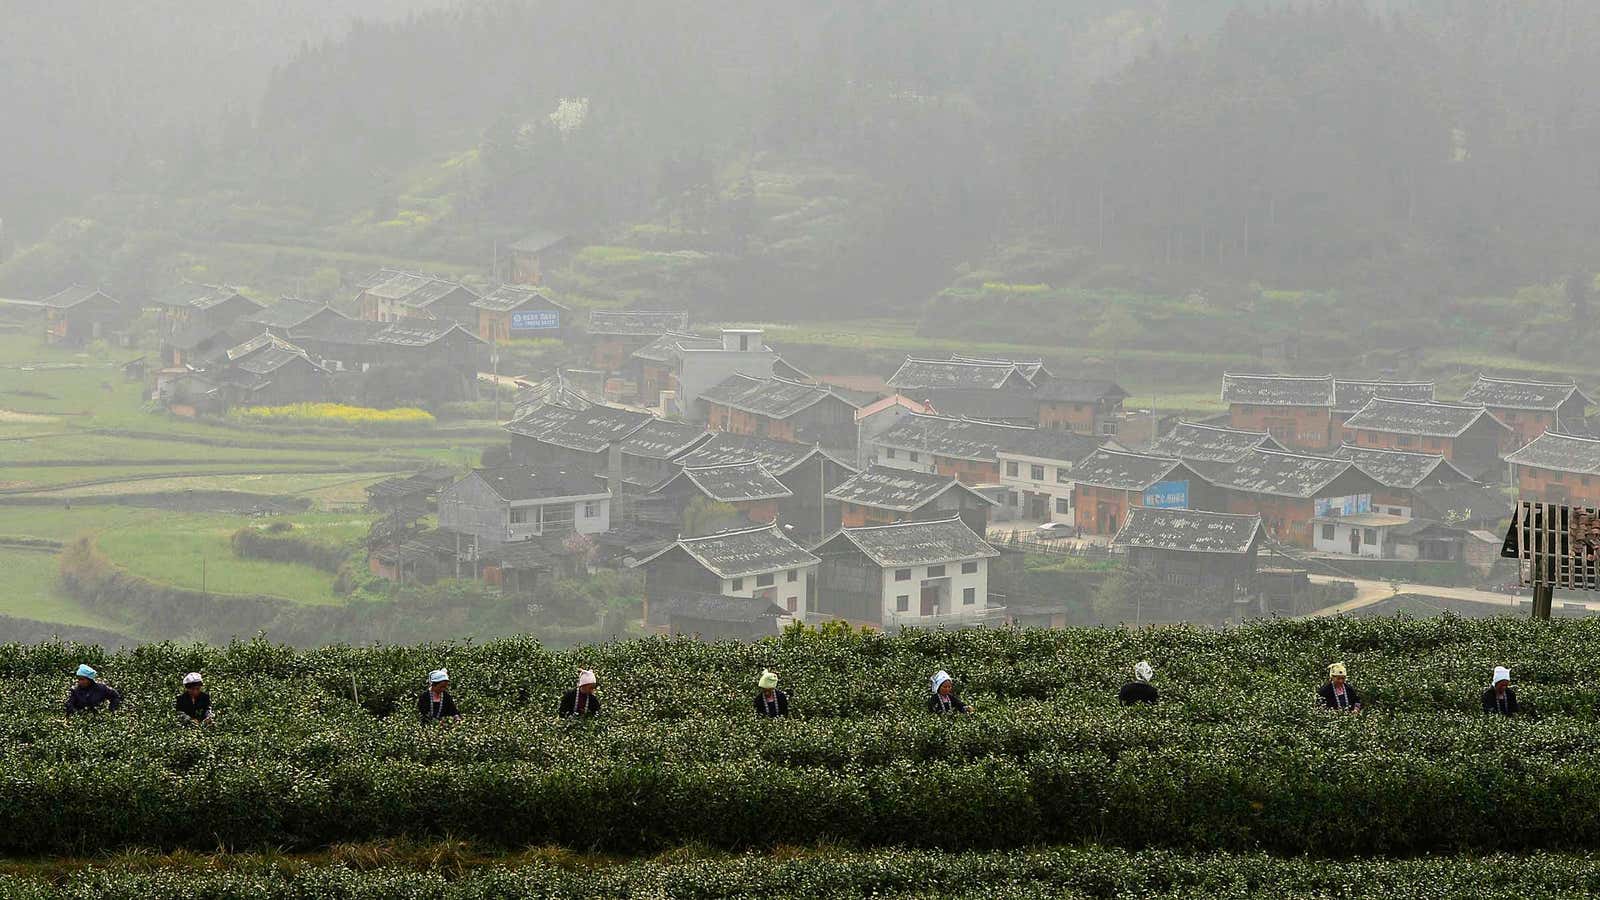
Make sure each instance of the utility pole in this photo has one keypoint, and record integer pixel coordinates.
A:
(494, 364)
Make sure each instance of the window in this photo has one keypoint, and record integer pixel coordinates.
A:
(936, 571)
(591, 509)
(1327, 532)
(1063, 505)
(519, 515)
(1395, 511)
(1371, 536)
(1108, 428)
(1406, 440)
(738, 584)
(1011, 469)
(1036, 473)
(794, 575)
(902, 603)
(556, 516)
(913, 456)
(902, 574)
(969, 596)
(794, 604)
(764, 580)
(888, 453)
(969, 568)
(1013, 498)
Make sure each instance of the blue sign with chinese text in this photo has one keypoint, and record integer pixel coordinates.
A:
(1168, 495)
(536, 320)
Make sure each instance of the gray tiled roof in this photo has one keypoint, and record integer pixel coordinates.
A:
(637, 322)
(72, 296)
(1503, 393)
(773, 398)
(205, 296)
(419, 333)
(915, 543)
(1032, 368)
(956, 373)
(1278, 390)
(743, 552)
(1349, 396)
(337, 330)
(954, 438)
(1079, 390)
(286, 312)
(1193, 442)
(1282, 474)
(732, 483)
(1188, 530)
(662, 439)
(777, 457)
(273, 358)
(1044, 443)
(1560, 453)
(1427, 419)
(528, 483)
(1121, 471)
(508, 297)
(882, 487)
(1399, 469)
(585, 430)
(668, 347)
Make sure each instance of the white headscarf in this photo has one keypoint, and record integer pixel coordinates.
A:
(586, 676)
(192, 678)
(1142, 671)
(1501, 673)
(438, 675)
(939, 677)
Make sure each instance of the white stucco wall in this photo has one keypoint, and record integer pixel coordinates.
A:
(955, 610)
(782, 588)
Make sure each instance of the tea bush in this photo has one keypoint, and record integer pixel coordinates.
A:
(319, 747)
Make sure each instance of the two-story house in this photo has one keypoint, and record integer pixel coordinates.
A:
(780, 409)
(883, 496)
(1036, 472)
(1304, 500)
(1209, 448)
(513, 311)
(1528, 408)
(1086, 406)
(911, 573)
(808, 472)
(995, 390)
(1350, 395)
(518, 503)
(392, 295)
(576, 439)
(967, 449)
(1402, 476)
(759, 563)
(1109, 483)
(1558, 468)
(749, 490)
(1297, 410)
(614, 334)
(1468, 436)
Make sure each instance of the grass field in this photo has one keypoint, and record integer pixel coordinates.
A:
(31, 592)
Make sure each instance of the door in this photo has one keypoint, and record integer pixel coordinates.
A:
(1355, 542)
(930, 599)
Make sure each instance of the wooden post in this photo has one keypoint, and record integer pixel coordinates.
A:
(1543, 595)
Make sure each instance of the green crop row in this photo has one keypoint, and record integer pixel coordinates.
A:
(1059, 873)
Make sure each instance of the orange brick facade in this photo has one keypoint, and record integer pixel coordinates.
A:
(1558, 487)
(853, 515)
(1297, 427)
(1285, 519)
(653, 379)
(967, 471)
(1525, 424)
(737, 421)
(1078, 417)
(1385, 440)
(1103, 510)
(758, 512)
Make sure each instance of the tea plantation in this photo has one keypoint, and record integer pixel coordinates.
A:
(1234, 784)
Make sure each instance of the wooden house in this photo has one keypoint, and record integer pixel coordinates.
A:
(1297, 410)
(1085, 406)
(884, 496)
(749, 490)
(1194, 551)
(528, 259)
(1350, 395)
(289, 314)
(1558, 468)
(1210, 448)
(579, 440)
(269, 371)
(963, 448)
(780, 409)
(648, 455)
(196, 322)
(615, 334)
(341, 344)
(1468, 436)
(1295, 493)
(1109, 483)
(1401, 475)
(511, 311)
(912, 573)
(1529, 408)
(79, 315)
(416, 344)
(392, 295)
(808, 472)
(995, 390)
(757, 564)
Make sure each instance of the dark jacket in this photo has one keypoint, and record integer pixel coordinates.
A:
(1326, 698)
(569, 704)
(778, 707)
(1493, 704)
(445, 709)
(1138, 692)
(956, 706)
(196, 709)
(80, 699)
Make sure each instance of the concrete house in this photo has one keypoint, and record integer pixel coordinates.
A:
(884, 496)
(614, 334)
(1468, 436)
(520, 503)
(1109, 483)
(1193, 550)
(912, 573)
(1297, 495)
(759, 564)
(742, 351)
(1558, 468)
(1036, 472)
(653, 368)
(1297, 410)
(579, 440)
(512, 311)
(964, 448)
(1529, 408)
(781, 410)
(875, 418)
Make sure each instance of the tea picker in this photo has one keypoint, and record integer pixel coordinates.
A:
(1500, 698)
(944, 700)
(435, 704)
(1336, 694)
(1139, 690)
(193, 704)
(771, 703)
(581, 701)
(88, 693)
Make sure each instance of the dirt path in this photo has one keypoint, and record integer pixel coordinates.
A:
(1370, 592)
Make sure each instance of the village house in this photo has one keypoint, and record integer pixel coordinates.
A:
(77, 315)
(415, 344)
(1298, 496)
(648, 454)
(1401, 475)
(578, 440)
(340, 344)
(964, 448)
(808, 472)
(758, 565)
(742, 351)
(1349, 396)
(392, 295)
(879, 416)
(1211, 448)
(528, 259)
(781, 410)
(995, 390)
(1036, 474)
(571, 388)
(1086, 406)
(1558, 468)
(615, 334)
(1468, 436)
(1297, 410)
(289, 314)
(1529, 408)
(884, 496)
(195, 322)
(911, 573)
(269, 371)
(1194, 551)
(653, 368)
(512, 312)
(513, 503)
(1108, 483)
(751, 492)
